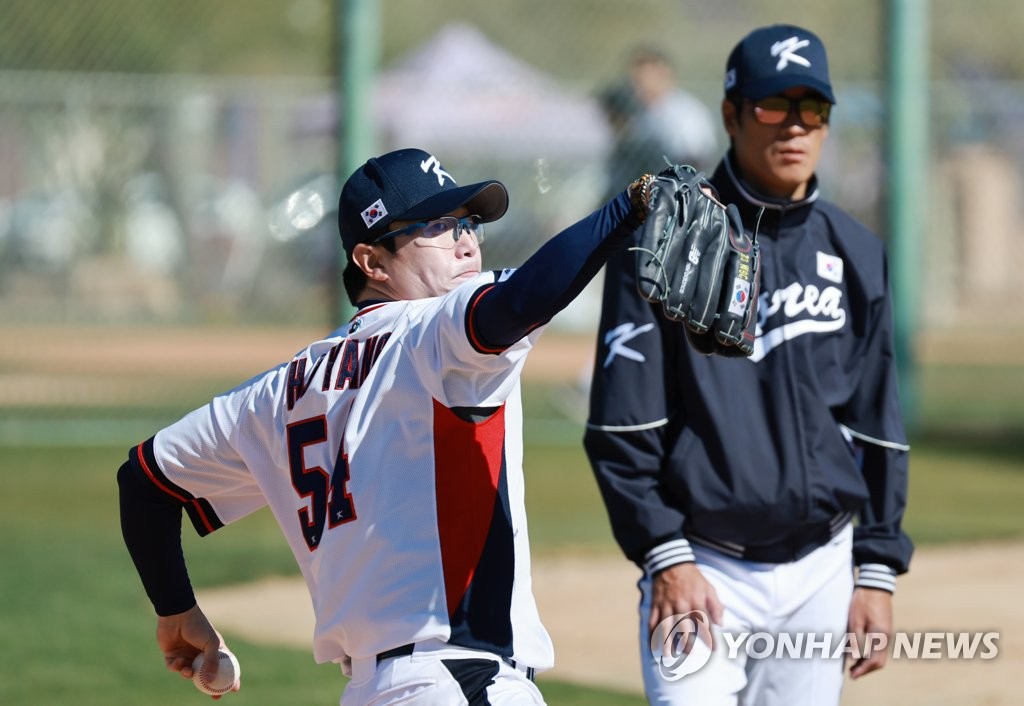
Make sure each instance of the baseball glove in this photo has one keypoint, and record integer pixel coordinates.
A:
(695, 259)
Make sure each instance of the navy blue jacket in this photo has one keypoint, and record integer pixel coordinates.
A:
(754, 452)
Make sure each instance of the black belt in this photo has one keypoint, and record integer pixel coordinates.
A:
(405, 650)
(400, 651)
(796, 546)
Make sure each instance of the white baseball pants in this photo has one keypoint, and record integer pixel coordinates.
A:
(439, 674)
(810, 595)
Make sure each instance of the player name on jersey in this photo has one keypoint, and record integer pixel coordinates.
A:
(357, 359)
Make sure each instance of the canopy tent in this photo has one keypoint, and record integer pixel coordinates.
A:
(461, 94)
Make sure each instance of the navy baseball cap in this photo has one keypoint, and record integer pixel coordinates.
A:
(771, 59)
(408, 185)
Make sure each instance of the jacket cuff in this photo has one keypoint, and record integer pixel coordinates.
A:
(670, 553)
(876, 576)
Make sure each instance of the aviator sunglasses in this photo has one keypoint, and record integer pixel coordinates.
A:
(439, 226)
(773, 110)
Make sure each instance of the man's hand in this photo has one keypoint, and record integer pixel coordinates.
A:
(183, 636)
(870, 612)
(679, 589)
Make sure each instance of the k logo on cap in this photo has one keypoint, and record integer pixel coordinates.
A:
(409, 185)
(787, 51)
(771, 59)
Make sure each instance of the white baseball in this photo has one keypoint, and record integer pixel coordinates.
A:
(228, 674)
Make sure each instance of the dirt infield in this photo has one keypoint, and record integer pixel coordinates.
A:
(97, 366)
(588, 605)
(82, 365)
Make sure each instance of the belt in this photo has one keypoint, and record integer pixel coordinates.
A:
(401, 651)
(795, 546)
(406, 650)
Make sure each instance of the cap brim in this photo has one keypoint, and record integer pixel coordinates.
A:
(487, 199)
(770, 87)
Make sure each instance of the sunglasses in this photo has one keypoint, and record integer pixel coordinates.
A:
(439, 226)
(773, 110)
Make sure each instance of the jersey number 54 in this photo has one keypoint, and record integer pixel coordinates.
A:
(330, 504)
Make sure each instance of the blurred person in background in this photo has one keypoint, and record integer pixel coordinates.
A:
(677, 123)
(761, 495)
(633, 152)
(653, 120)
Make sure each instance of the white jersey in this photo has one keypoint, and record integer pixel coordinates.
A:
(391, 456)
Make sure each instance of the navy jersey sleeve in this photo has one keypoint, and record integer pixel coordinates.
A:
(631, 407)
(873, 421)
(552, 277)
(151, 528)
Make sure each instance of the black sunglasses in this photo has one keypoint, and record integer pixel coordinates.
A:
(773, 110)
(439, 226)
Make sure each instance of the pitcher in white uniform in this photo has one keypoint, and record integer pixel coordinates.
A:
(390, 452)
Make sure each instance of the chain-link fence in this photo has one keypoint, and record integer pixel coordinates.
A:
(175, 162)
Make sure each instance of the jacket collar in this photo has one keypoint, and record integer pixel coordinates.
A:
(728, 172)
(733, 189)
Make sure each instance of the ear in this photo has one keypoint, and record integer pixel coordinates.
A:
(730, 118)
(368, 259)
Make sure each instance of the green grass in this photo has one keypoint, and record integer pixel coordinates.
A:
(564, 508)
(961, 398)
(966, 489)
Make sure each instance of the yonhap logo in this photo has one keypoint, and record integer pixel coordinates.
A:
(682, 644)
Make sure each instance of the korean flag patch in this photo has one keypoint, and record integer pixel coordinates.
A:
(830, 267)
(740, 295)
(374, 213)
